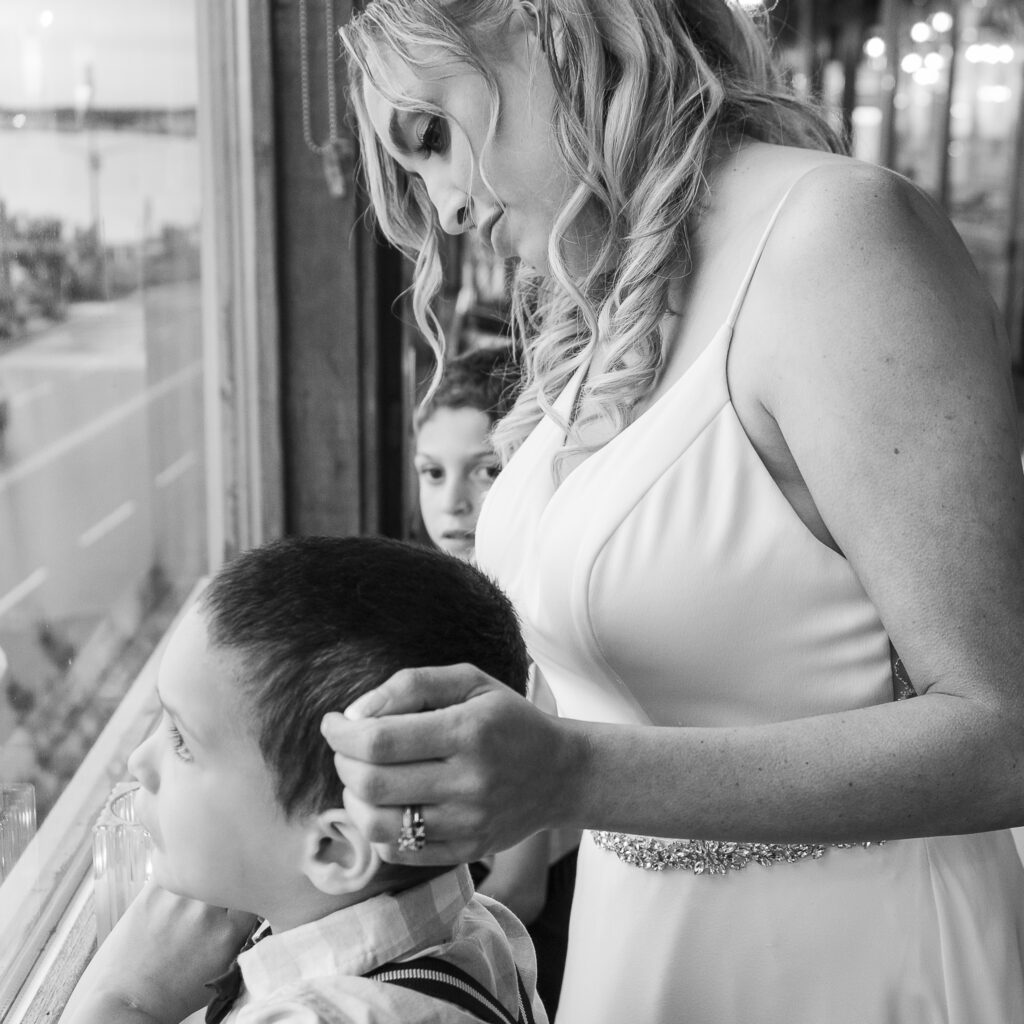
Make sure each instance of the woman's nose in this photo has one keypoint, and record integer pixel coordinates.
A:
(452, 205)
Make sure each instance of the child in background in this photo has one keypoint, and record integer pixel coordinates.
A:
(456, 465)
(245, 809)
(454, 461)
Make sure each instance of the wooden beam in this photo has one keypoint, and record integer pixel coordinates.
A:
(341, 344)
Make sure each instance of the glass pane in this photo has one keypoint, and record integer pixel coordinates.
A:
(958, 104)
(986, 107)
(102, 502)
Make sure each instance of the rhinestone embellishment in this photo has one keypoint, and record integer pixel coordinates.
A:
(708, 856)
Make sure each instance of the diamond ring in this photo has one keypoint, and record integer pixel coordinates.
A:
(413, 835)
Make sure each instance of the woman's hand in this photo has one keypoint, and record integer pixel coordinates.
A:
(485, 766)
(156, 961)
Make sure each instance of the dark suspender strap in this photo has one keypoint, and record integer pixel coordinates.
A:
(525, 1008)
(439, 979)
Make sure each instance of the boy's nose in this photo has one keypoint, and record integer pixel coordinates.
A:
(141, 768)
(457, 498)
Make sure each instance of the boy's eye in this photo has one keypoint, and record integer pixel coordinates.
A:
(487, 472)
(433, 136)
(178, 744)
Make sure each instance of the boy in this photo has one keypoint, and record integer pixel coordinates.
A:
(245, 808)
(454, 461)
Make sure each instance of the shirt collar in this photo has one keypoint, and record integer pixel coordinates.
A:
(352, 941)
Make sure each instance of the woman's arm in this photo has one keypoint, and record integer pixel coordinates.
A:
(887, 375)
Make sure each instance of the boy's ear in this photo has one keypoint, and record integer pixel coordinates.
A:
(336, 857)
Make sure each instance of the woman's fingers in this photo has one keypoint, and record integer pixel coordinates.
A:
(453, 836)
(471, 753)
(457, 755)
(394, 785)
(431, 854)
(399, 732)
(421, 689)
(395, 740)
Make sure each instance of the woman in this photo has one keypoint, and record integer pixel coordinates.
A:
(767, 439)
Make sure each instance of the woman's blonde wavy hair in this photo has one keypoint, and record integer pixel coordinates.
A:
(701, 73)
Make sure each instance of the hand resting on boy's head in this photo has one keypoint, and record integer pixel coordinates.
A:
(487, 744)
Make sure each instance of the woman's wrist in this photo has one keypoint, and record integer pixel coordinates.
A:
(573, 775)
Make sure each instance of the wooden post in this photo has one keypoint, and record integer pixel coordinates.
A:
(891, 35)
(341, 344)
(946, 134)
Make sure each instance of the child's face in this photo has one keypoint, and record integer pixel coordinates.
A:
(207, 799)
(456, 466)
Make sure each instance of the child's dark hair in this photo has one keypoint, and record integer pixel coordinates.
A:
(322, 620)
(488, 379)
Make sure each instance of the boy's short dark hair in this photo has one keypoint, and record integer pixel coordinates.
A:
(320, 621)
(488, 379)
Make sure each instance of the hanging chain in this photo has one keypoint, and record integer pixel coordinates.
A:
(334, 149)
(332, 94)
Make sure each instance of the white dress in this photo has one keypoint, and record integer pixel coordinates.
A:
(668, 581)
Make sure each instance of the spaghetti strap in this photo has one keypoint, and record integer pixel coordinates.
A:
(742, 293)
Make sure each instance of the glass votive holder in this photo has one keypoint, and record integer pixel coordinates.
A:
(120, 857)
(17, 822)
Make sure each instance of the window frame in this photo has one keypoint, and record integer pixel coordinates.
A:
(55, 870)
(45, 903)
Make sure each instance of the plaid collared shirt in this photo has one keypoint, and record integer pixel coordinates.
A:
(313, 974)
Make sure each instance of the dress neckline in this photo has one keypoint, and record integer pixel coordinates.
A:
(575, 384)
(722, 334)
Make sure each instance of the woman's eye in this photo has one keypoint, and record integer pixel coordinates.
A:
(433, 138)
(489, 472)
(432, 473)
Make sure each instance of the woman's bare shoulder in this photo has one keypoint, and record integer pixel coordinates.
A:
(881, 365)
(862, 251)
(829, 198)
(861, 222)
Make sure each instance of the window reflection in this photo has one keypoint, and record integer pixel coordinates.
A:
(949, 77)
(102, 504)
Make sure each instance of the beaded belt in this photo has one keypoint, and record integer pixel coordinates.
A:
(708, 856)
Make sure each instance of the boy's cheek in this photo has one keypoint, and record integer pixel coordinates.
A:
(146, 815)
(144, 811)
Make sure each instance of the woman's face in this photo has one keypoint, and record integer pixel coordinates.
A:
(528, 182)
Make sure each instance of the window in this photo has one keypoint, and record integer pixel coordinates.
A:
(111, 503)
(141, 260)
(940, 98)
(102, 505)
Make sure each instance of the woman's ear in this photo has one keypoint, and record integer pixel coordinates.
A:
(336, 857)
(531, 15)
(547, 27)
